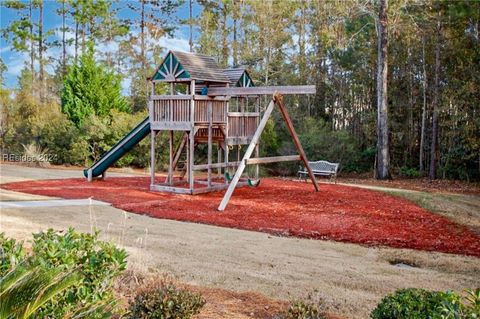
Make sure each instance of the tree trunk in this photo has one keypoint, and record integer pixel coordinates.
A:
(235, 39)
(190, 22)
(436, 101)
(143, 50)
(424, 111)
(82, 31)
(319, 74)
(76, 41)
(41, 50)
(142, 36)
(64, 44)
(224, 36)
(301, 42)
(32, 47)
(383, 157)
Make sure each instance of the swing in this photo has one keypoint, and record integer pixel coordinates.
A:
(250, 181)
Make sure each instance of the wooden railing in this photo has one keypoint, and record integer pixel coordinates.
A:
(171, 110)
(242, 124)
(219, 111)
(177, 109)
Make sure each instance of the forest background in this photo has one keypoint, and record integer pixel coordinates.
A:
(73, 76)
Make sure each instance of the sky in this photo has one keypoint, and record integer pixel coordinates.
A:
(15, 60)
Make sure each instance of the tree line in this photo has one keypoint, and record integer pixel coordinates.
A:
(397, 82)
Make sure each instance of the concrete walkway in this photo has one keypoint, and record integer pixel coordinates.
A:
(51, 203)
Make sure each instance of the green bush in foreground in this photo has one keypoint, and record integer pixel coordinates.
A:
(97, 264)
(423, 304)
(11, 254)
(165, 301)
(25, 289)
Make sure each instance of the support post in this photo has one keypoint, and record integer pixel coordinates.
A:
(225, 154)
(152, 158)
(209, 153)
(248, 154)
(219, 159)
(278, 98)
(191, 144)
(191, 153)
(170, 158)
(257, 148)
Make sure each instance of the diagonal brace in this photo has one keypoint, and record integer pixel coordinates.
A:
(278, 98)
(248, 154)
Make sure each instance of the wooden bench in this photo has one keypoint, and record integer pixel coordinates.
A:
(321, 168)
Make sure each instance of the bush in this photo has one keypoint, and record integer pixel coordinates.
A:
(11, 254)
(424, 304)
(25, 289)
(322, 143)
(97, 262)
(165, 301)
(409, 171)
(64, 142)
(302, 310)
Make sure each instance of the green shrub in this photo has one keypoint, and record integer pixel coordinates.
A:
(165, 301)
(453, 306)
(302, 310)
(63, 140)
(320, 142)
(409, 171)
(424, 304)
(11, 254)
(98, 264)
(25, 289)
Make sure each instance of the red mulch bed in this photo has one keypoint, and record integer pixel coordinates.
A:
(280, 207)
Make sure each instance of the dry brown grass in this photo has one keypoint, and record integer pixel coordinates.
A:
(244, 272)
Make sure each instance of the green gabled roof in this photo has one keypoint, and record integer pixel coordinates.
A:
(178, 66)
(171, 69)
(239, 77)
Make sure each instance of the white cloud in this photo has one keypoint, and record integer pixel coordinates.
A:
(176, 44)
(69, 36)
(5, 49)
(105, 47)
(16, 63)
(126, 83)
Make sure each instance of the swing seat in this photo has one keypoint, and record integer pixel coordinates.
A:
(253, 183)
(250, 182)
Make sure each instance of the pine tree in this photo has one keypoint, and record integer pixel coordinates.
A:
(20, 31)
(90, 88)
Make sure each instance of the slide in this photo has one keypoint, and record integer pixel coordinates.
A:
(119, 149)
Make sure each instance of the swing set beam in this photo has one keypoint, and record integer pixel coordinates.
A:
(261, 90)
(277, 100)
(273, 159)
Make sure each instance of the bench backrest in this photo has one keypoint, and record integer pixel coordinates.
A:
(324, 166)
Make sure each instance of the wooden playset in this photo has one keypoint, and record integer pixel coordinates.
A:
(213, 108)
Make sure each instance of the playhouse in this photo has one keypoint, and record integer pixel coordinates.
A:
(211, 107)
